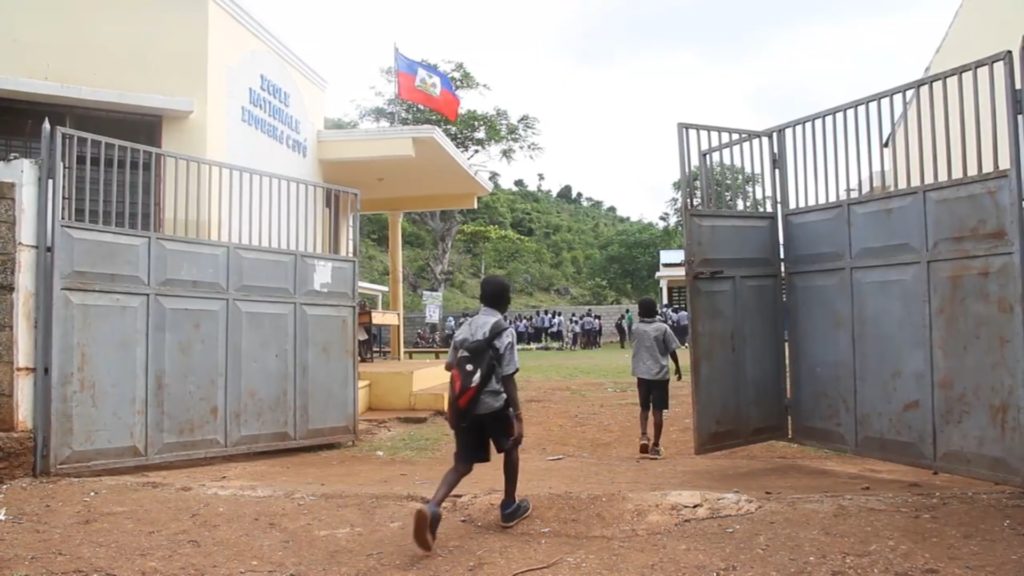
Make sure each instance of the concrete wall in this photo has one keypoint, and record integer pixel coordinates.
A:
(18, 194)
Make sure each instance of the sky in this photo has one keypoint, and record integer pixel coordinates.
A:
(609, 79)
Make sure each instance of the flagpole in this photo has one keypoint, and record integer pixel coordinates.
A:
(395, 69)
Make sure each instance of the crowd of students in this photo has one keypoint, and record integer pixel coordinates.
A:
(584, 332)
(553, 328)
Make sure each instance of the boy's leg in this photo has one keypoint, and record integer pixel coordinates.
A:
(659, 401)
(449, 482)
(512, 509)
(659, 423)
(644, 393)
(511, 469)
(471, 446)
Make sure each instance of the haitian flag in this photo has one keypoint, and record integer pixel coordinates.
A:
(426, 86)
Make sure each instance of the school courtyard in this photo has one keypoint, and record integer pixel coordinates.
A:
(598, 508)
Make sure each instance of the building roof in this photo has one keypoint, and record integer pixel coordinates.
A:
(672, 257)
(400, 169)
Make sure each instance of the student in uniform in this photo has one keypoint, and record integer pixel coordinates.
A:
(620, 329)
(497, 420)
(653, 346)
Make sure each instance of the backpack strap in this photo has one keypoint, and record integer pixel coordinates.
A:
(497, 329)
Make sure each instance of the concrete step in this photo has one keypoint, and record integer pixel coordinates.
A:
(364, 396)
(433, 399)
(406, 416)
(394, 384)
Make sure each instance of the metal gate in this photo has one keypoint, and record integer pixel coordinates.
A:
(901, 220)
(734, 287)
(188, 308)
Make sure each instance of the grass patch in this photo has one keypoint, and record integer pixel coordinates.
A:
(414, 441)
(608, 364)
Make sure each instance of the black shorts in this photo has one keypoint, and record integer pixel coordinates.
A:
(473, 441)
(652, 393)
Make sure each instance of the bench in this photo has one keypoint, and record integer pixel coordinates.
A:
(437, 352)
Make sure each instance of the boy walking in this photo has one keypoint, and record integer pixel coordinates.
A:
(653, 345)
(496, 417)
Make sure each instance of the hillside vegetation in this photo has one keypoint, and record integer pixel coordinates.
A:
(556, 248)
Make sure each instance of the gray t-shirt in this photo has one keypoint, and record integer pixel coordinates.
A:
(492, 397)
(683, 318)
(652, 343)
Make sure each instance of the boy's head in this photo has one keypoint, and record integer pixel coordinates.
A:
(647, 308)
(496, 293)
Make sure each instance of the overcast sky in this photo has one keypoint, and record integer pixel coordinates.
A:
(609, 79)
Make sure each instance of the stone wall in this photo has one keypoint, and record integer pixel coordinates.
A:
(8, 250)
(16, 448)
(16, 455)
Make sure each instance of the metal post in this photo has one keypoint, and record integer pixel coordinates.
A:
(41, 388)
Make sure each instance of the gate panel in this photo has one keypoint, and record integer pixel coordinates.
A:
(100, 410)
(261, 373)
(734, 286)
(976, 332)
(325, 410)
(928, 298)
(186, 346)
(188, 367)
(820, 306)
(821, 358)
(894, 407)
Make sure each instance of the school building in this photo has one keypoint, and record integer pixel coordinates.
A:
(185, 130)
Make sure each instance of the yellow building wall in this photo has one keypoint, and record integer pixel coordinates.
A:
(273, 212)
(143, 46)
(212, 53)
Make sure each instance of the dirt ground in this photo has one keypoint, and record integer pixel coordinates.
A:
(599, 509)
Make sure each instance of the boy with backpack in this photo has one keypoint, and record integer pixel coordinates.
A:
(483, 409)
(653, 345)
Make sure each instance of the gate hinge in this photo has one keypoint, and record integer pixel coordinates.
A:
(1019, 94)
(775, 160)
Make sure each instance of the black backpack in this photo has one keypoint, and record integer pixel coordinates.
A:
(475, 366)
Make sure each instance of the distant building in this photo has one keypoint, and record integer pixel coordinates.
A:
(672, 277)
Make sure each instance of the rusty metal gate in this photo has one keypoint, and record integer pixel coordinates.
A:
(188, 308)
(901, 235)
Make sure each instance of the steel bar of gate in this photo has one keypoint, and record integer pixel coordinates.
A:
(919, 121)
(249, 220)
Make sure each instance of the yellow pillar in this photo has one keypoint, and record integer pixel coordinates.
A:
(395, 282)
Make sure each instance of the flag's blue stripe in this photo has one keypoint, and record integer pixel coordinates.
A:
(405, 65)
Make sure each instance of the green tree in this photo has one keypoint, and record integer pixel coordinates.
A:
(482, 135)
(628, 259)
(340, 124)
(732, 188)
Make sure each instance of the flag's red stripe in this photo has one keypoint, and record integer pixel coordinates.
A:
(447, 104)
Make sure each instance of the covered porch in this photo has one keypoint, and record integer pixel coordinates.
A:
(399, 170)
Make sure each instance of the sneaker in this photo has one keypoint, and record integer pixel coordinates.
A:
(515, 513)
(645, 445)
(424, 527)
(656, 452)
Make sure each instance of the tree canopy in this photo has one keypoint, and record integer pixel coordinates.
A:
(484, 136)
(553, 248)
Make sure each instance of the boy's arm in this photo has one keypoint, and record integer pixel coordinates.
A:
(449, 364)
(512, 391)
(672, 344)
